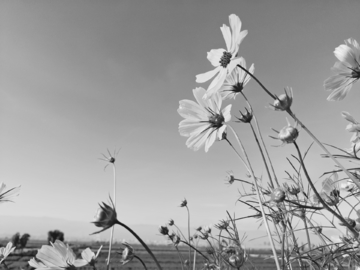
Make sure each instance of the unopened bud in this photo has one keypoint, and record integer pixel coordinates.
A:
(284, 101)
(164, 230)
(183, 203)
(288, 134)
(105, 217)
(245, 118)
(278, 195)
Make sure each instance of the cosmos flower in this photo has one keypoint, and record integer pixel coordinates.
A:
(346, 70)
(204, 121)
(7, 196)
(5, 251)
(235, 81)
(223, 60)
(287, 134)
(57, 256)
(89, 256)
(353, 126)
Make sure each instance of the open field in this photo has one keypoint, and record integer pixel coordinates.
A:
(167, 256)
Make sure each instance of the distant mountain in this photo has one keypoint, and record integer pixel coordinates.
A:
(38, 228)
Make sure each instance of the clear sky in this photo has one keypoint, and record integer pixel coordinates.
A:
(78, 77)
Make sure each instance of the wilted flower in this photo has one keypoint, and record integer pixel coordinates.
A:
(56, 256)
(164, 230)
(287, 134)
(245, 118)
(223, 60)
(7, 196)
(346, 70)
(183, 203)
(278, 195)
(236, 80)
(284, 101)
(127, 254)
(5, 251)
(348, 186)
(223, 224)
(89, 256)
(204, 121)
(105, 217)
(350, 221)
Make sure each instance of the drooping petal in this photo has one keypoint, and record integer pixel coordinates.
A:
(340, 93)
(348, 117)
(214, 56)
(79, 263)
(204, 77)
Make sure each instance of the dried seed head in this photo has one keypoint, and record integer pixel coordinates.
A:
(245, 118)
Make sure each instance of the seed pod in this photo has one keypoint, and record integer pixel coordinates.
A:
(278, 195)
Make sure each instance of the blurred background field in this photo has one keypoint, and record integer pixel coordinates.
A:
(166, 254)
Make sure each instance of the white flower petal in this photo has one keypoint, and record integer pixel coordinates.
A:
(220, 132)
(210, 140)
(195, 142)
(248, 77)
(214, 56)
(235, 25)
(227, 36)
(189, 129)
(189, 109)
(241, 36)
(199, 93)
(346, 55)
(226, 112)
(348, 117)
(340, 93)
(216, 83)
(204, 77)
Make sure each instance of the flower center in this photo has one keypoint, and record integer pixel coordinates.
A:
(216, 120)
(238, 87)
(225, 59)
(355, 73)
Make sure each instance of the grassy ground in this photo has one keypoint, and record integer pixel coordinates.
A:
(167, 256)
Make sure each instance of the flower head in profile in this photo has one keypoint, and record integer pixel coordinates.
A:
(56, 256)
(89, 256)
(105, 217)
(287, 134)
(204, 121)
(5, 251)
(183, 203)
(223, 60)
(236, 81)
(346, 70)
(8, 196)
(284, 101)
(127, 254)
(230, 178)
(353, 126)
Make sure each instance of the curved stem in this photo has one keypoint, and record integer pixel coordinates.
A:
(180, 257)
(320, 198)
(356, 181)
(137, 257)
(141, 242)
(258, 196)
(194, 248)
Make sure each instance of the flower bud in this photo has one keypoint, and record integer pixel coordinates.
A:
(350, 221)
(236, 261)
(164, 230)
(299, 213)
(278, 195)
(171, 222)
(288, 134)
(293, 190)
(183, 203)
(284, 101)
(105, 217)
(245, 118)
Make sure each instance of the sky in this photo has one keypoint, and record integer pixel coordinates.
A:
(80, 77)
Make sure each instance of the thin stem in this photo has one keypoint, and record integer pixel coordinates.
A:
(113, 227)
(187, 208)
(307, 233)
(194, 248)
(320, 198)
(5, 265)
(356, 181)
(259, 199)
(137, 257)
(141, 241)
(180, 257)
